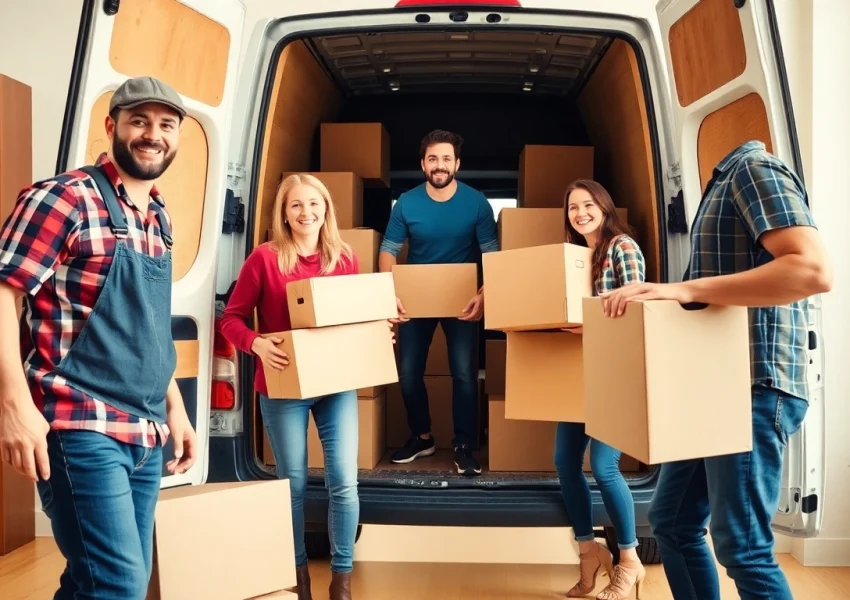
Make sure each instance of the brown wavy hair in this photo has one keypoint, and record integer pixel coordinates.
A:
(331, 246)
(611, 228)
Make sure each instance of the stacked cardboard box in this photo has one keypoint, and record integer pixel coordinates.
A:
(361, 148)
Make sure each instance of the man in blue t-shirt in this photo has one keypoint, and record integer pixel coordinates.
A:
(444, 221)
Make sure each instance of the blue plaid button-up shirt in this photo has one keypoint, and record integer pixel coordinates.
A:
(751, 192)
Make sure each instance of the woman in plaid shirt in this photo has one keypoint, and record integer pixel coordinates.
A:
(617, 261)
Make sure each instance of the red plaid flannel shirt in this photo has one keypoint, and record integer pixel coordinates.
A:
(57, 247)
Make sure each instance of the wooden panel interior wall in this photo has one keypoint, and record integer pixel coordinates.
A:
(698, 71)
(614, 111)
(168, 40)
(302, 98)
(17, 493)
(725, 129)
(183, 185)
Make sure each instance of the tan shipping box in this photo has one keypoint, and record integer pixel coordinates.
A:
(495, 365)
(528, 227)
(333, 359)
(372, 434)
(279, 595)
(440, 407)
(544, 379)
(372, 391)
(666, 384)
(442, 290)
(366, 243)
(257, 543)
(363, 148)
(519, 445)
(346, 190)
(546, 171)
(536, 288)
(341, 300)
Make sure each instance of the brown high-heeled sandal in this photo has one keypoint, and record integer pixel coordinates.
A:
(589, 565)
(626, 576)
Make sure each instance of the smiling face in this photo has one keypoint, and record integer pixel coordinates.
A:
(144, 140)
(584, 214)
(305, 210)
(440, 164)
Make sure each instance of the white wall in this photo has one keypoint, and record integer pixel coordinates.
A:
(820, 73)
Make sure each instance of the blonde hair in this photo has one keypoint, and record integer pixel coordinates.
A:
(331, 246)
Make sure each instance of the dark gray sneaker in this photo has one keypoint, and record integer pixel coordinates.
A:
(415, 448)
(465, 462)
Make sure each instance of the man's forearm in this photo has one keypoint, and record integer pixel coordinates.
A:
(386, 261)
(173, 397)
(783, 280)
(12, 376)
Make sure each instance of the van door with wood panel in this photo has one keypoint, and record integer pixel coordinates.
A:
(729, 86)
(193, 45)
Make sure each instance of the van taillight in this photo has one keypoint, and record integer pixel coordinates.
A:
(223, 396)
(221, 347)
(407, 3)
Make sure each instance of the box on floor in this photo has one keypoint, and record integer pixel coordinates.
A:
(371, 435)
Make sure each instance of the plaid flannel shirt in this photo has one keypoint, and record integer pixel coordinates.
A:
(623, 264)
(752, 192)
(57, 248)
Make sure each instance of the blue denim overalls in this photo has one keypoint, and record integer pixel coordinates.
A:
(125, 354)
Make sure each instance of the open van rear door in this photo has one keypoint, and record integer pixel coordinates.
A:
(729, 86)
(194, 46)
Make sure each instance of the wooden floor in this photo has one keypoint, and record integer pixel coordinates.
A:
(31, 573)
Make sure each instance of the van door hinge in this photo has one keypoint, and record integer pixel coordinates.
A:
(234, 209)
(676, 219)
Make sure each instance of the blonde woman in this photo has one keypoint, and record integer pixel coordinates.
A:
(306, 244)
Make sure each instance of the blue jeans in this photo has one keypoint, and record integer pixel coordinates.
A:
(570, 445)
(337, 421)
(739, 493)
(414, 341)
(100, 499)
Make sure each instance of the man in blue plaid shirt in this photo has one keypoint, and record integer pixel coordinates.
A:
(753, 243)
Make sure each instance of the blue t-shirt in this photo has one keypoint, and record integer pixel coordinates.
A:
(441, 232)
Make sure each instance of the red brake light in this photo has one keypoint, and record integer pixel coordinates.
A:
(406, 3)
(221, 347)
(223, 396)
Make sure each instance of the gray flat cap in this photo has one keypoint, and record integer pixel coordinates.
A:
(141, 90)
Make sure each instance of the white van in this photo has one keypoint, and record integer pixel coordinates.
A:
(661, 95)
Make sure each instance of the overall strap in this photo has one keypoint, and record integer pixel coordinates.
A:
(164, 229)
(117, 219)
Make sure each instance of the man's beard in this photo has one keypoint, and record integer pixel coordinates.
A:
(143, 171)
(440, 185)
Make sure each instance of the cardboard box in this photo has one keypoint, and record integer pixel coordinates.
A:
(366, 243)
(372, 435)
(341, 300)
(257, 543)
(435, 290)
(360, 355)
(665, 384)
(546, 171)
(545, 378)
(536, 288)
(529, 227)
(440, 405)
(363, 148)
(495, 365)
(346, 190)
(372, 391)
(279, 595)
(519, 445)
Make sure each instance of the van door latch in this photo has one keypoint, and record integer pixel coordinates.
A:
(676, 222)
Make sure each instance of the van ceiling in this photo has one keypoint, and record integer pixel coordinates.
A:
(521, 62)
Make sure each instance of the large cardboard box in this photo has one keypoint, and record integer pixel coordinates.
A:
(441, 290)
(546, 171)
(341, 299)
(664, 384)
(372, 391)
(366, 244)
(363, 148)
(545, 378)
(495, 365)
(528, 227)
(372, 435)
(346, 190)
(440, 406)
(519, 445)
(257, 543)
(536, 288)
(333, 359)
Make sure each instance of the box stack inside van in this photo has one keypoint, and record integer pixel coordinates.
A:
(537, 110)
